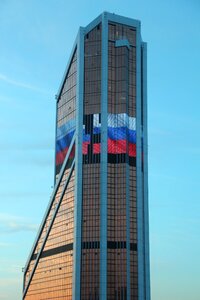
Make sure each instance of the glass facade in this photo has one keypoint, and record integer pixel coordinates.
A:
(122, 144)
(66, 114)
(90, 253)
(51, 272)
(52, 277)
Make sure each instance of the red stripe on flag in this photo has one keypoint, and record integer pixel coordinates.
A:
(96, 148)
(120, 146)
(116, 147)
(85, 147)
(60, 156)
(132, 150)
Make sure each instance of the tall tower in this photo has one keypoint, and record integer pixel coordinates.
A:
(93, 242)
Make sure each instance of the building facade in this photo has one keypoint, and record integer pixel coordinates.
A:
(93, 243)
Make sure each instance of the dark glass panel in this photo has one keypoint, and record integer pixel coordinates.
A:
(121, 100)
(90, 258)
(53, 275)
(66, 113)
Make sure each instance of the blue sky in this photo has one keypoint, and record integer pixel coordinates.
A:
(36, 38)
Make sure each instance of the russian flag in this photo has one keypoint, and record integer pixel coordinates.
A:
(121, 136)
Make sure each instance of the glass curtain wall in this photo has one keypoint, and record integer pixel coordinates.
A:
(121, 161)
(66, 113)
(90, 258)
(52, 260)
(52, 278)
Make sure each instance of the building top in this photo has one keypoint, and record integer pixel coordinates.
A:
(105, 16)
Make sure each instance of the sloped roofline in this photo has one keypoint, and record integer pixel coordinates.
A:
(112, 18)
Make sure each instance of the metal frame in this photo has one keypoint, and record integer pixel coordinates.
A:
(67, 69)
(142, 209)
(127, 195)
(145, 174)
(56, 117)
(139, 192)
(78, 169)
(143, 285)
(122, 43)
(49, 228)
(123, 20)
(93, 24)
(103, 166)
(50, 204)
(58, 95)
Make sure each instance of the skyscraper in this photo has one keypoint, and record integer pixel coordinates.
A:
(93, 242)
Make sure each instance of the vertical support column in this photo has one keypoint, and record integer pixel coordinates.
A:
(103, 171)
(139, 188)
(145, 174)
(127, 183)
(78, 168)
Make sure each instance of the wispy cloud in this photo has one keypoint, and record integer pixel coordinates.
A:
(21, 84)
(8, 282)
(11, 287)
(16, 227)
(13, 224)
